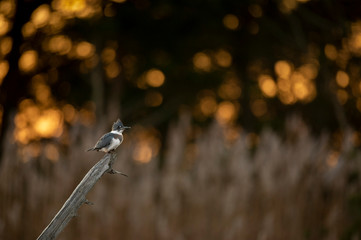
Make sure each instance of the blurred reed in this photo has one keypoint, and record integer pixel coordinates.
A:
(201, 186)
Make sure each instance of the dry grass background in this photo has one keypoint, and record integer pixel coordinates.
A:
(203, 186)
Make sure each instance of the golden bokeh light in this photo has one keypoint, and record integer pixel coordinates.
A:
(147, 145)
(119, 1)
(287, 98)
(202, 61)
(60, 44)
(108, 55)
(28, 29)
(259, 107)
(226, 112)
(154, 77)
(5, 45)
(112, 70)
(283, 69)
(267, 85)
(342, 79)
(51, 152)
(299, 86)
(331, 52)
(354, 44)
(70, 113)
(84, 50)
(153, 99)
(34, 122)
(40, 16)
(41, 90)
(223, 58)
(342, 96)
(28, 61)
(49, 124)
(7, 7)
(309, 70)
(56, 22)
(4, 25)
(255, 10)
(230, 89)
(4, 69)
(287, 6)
(69, 7)
(207, 105)
(231, 21)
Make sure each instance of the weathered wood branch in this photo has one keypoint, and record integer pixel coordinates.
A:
(78, 197)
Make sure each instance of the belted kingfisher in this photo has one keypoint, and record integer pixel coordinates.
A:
(111, 140)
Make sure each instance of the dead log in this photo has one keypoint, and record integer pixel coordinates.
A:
(78, 197)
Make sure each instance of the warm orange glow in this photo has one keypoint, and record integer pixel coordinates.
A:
(40, 16)
(154, 78)
(109, 10)
(231, 21)
(51, 152)
(4, 25)
(299, 86)
(259, 107)
(56, 22)
(28, 61)
(119, 1)
(71, 6)
(226, 112)
(330, 52)
(255, 10)
(355, 38)
(283, 69)
(60, 44)
(309, 71)
(5, 45)
(112, 70)
(267, 85)
(208, 105)
(286, 6)
(41, 90)
(287, 97)
(142, 153)
(202, 61)
(33, 122)
(342, 79)
(108, 55)
(28, 29)
(85, 50)
(223, 58)
(333, 159)
(230, 89)
(4, 68)
(49, 124)
(342, 96)
(7, 7)
(147, 145)
(153, 99)
(69, 113)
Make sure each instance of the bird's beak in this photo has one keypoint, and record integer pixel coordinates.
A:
(126, 127)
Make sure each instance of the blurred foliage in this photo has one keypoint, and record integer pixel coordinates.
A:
(68, 66)
(244, 62)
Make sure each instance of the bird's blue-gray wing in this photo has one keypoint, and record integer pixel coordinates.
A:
(104, 141)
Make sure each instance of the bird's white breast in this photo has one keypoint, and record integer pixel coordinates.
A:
(114, 144)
